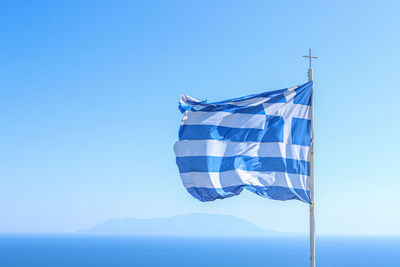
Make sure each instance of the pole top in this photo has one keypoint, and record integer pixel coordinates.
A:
(310, 72)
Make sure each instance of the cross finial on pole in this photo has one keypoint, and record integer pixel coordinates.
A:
(310, 72)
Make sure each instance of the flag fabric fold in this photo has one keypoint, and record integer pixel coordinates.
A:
(259, 142)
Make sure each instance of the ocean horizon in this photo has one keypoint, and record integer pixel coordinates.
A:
(119, 250)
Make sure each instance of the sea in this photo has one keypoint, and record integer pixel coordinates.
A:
(286, 250)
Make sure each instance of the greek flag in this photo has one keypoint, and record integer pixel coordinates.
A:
(258, 142)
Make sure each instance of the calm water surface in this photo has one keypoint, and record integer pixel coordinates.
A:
(45, 250)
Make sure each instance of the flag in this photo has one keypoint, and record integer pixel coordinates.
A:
(259, 142)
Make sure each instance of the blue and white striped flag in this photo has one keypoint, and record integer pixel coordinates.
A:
(259, 142)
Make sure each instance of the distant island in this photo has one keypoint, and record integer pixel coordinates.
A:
(182, 225)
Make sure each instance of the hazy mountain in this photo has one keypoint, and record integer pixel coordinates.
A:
(191, 224)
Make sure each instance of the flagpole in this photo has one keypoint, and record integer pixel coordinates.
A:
(312, 217)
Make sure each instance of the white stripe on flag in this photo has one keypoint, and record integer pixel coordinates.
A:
(287, 110)
(249, 102)
(240, 177)
(229, 149)
(226, 119)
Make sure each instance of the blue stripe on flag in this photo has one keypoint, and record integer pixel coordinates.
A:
(258, 109)
(270, 94)
(246, 163)
(272, 132)
(303, 94)
(272, 192)
(303, 97)
(227, 106)
(301, 131)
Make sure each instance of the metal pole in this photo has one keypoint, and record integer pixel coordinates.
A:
(312, 218)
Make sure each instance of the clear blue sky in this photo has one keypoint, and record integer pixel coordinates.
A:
(89, 93)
